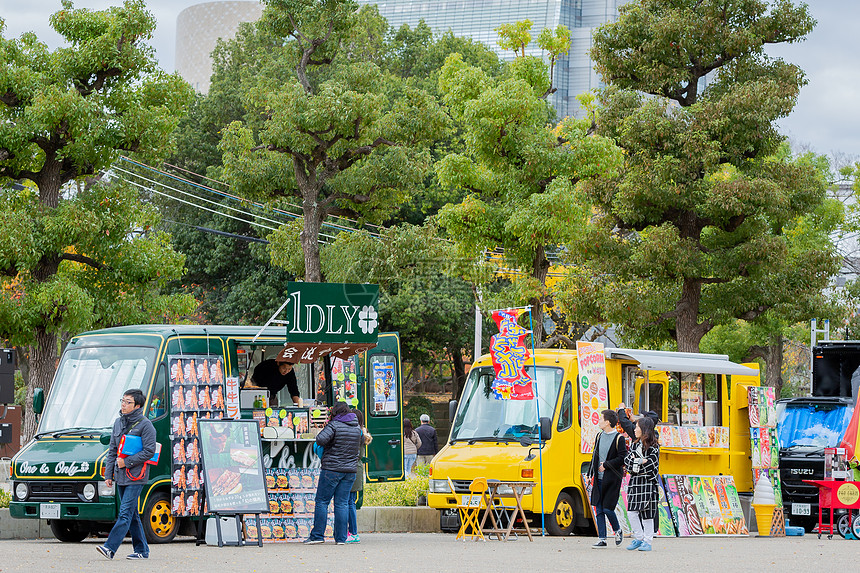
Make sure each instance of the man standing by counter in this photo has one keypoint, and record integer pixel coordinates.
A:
(275, 373)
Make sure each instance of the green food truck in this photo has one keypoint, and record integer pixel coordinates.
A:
(194, 372)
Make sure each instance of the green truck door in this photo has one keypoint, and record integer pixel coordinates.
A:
(383, 401)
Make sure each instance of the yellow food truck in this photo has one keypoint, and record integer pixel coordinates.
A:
(547, 440)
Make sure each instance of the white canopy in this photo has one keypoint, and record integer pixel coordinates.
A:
(681, 361)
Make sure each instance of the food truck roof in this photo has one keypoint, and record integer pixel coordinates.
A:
(681, 361)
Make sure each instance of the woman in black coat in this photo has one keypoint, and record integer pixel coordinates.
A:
(607, 469)
(643, 464)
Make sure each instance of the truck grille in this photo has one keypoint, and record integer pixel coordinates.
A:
(53, 491)
(461, 485)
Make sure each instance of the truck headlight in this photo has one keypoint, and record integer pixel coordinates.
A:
(21, 491)
(439, 486)
(89, 492)
(104, 490)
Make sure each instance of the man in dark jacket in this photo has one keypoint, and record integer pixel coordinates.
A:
(342, 439)
(130, 474)
(607, 463)
(429, 441)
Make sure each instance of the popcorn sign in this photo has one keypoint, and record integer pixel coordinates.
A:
(593, 392)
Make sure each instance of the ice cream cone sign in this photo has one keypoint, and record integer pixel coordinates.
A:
(852, 434)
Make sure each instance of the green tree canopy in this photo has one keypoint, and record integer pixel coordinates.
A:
(704, 223)
(520, 173)
(339, 133)
(80, 256)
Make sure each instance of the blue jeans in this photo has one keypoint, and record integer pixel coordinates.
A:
(600, 511)
(352, 522)
(408, 462)
(128, 521)
(337, 485)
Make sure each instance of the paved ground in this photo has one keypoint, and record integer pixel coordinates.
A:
(419, 552)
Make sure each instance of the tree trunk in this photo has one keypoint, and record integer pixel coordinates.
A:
(310, 240)
(540, 268)
(459, 378)
(688, 330)
(772, 356)
(43, 365)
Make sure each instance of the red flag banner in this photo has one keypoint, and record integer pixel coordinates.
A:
(852, 434)
(509, 355)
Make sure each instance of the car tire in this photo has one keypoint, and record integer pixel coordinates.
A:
(69, 531)
(159, 524)
(561, 521)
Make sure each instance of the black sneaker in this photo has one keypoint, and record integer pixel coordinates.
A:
(310, 541)
(137, 556)
(600, 544)
(108, 554)
(619, 537)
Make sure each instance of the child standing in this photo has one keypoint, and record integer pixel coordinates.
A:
(643, 465)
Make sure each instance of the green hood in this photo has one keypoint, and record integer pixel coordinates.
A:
(59, 458)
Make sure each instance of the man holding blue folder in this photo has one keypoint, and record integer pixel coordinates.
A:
(130, 472)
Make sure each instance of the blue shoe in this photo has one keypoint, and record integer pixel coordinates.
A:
(645, 547)
(137, 556)
(635, 545)
(107, 553)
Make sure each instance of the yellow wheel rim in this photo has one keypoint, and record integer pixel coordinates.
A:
(161, 520)
(564, 514)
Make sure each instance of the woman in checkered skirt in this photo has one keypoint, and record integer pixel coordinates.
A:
(643, 465)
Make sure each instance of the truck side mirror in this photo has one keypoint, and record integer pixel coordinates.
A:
(452, 410)
(545, 429)
(38, 401)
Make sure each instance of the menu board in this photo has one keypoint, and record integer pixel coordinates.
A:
(232, 460)
(593, 393)
(692, 402)
(705, 505)
(196, 393)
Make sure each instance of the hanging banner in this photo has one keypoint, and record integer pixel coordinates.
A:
(509, 355)
(593, 392)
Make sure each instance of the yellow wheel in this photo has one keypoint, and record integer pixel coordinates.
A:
(560, 522)
(158, 523)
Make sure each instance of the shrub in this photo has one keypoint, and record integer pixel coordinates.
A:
(417, 405)
(5, 499)
(398, 493)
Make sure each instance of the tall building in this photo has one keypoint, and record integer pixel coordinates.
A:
(477, 19)
(198, 29)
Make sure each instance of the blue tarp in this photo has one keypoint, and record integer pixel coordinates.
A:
(811, 425)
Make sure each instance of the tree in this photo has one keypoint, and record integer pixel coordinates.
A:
(338, 132)
(86, 255)
(420, 295)
(520, 173)
(698, 228)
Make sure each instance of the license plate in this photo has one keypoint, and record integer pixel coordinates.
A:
(800, 509)
(470, 501)
(49, 510)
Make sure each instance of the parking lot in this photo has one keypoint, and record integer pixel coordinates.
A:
(415, 552)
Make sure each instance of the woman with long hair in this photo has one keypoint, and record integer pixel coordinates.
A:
(411, 443)
(358, 485)
(643, 465)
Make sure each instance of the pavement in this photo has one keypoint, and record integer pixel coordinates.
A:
(438, 552)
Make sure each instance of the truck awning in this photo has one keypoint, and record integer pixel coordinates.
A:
(681, 361)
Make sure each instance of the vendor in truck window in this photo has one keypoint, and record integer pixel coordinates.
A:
(273, 374)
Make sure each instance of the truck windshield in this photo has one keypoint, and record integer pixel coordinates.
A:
(809, 425)
(482, 416)
(89, 385)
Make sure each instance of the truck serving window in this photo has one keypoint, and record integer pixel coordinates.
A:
(482, 416)
(811, 425)
(90, 383)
